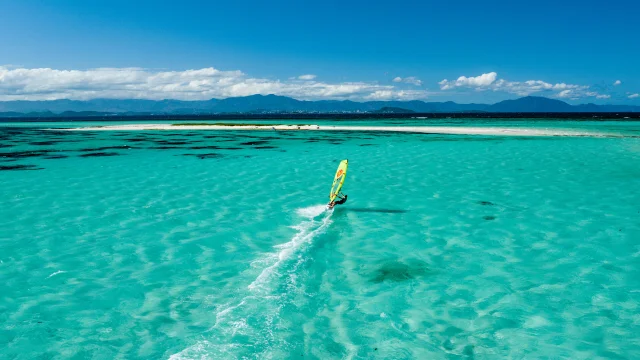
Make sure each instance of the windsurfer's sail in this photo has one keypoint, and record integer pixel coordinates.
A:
(338, 180)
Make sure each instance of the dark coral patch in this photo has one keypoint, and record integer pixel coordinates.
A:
(210, 147)
(258, 142)
(397, 271)
(19, 167)
(100, 154)
(121, 147)
(206, 156)
(23, 154)
(41, 143)
(164, 142)
(486, 203)
(209, 156)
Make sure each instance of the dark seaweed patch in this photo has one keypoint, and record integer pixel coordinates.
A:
(231, 148)
(41, 143)
(489, 217)
(107, 148)
(19, 167)
(257, 142)
(398, 271)
(100, 154)
(164, 147)
(165, 142)
(208, 156)
(244, 136)
(211, 147)
(56, 157)
(56, 133)
(205, 156)
(486, 203)
(23, 154)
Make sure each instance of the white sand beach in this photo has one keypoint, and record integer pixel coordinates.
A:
(466, 130)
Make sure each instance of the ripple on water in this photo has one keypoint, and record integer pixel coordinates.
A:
(154, 254)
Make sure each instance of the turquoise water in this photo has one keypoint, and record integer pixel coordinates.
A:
(216, 245)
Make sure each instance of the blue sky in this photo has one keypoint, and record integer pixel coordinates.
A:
(487, 50)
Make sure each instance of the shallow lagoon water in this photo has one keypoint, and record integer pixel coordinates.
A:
(205, 244)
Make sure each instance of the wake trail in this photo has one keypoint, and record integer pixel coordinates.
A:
(307, 231)
(256, 314)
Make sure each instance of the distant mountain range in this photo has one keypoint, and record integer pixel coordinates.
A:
(257, 104)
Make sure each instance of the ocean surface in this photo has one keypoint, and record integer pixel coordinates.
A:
(217, 245)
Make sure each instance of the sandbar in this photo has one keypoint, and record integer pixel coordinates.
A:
(452, 130)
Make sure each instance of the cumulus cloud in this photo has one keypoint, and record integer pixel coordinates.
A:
(395, 95)
(481, 81)
(199, 84)
(490, 81)
(307, 77)
(565, 94)
(617, 82)
(408, 80)
(633, 96)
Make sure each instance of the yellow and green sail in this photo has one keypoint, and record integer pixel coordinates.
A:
(338, 180)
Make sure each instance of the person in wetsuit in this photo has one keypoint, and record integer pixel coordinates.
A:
(343, 199)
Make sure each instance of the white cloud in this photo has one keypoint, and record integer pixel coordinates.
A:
(617, 82)
(396, 95)
(199, 84)
(408, 80)
(633, 96)
(413, 80)
(565, 94)
(307, 77)
(490, 81)
(481, 81)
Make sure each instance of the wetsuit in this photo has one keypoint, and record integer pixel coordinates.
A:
(341, 201)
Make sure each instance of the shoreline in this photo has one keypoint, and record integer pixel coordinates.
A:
(450, 130)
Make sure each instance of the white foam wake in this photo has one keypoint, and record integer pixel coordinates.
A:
(231, 319)
(307, 230)
(56, 273)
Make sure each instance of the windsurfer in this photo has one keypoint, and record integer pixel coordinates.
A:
(343, 199)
